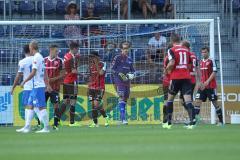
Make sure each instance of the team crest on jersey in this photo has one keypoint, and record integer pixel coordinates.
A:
(207, 63)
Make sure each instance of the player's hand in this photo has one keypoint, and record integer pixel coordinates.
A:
(201, 86)
(205, 84)
(49, 89)
(12, 91)
(22, 84)
(104, 66)
(130, 76)
(123, 76)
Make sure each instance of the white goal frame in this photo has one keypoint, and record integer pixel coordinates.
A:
(155, 21)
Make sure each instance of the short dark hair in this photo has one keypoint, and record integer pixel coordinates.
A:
(125, 43)
(186, 43)
(205, 48)
(53, 46)
(175, 38)
(26, 49)
(73, 44)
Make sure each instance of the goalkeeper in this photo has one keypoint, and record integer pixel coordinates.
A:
(123, 73)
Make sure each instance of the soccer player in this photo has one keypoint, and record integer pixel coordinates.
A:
(55, 72)
(194, 72)
(96, 87)
(24, 69)
(178, 67)
(37, 95)
(165, 85)
(123, 73)
(70, 84)
(208, 88)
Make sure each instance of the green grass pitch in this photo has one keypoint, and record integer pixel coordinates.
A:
(133, 142)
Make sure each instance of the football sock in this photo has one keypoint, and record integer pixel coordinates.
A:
(169, 112)
(29, 114)
(62, 109)
(122, 108)
(44, 117)
(197, 110)
(95, 115)
(72, 114)
(56, 116)
(191, 113)
(164, 113)
(37, 111)
(219, 114)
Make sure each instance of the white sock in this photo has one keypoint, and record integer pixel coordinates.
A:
(37, 111)
(29, 116)
(44, 117)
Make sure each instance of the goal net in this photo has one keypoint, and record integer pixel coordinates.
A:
(145, 103)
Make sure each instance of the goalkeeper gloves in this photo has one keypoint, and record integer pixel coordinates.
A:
(104, 66)
(130, 76)
(123, 76)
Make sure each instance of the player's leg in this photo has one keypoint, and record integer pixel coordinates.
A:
(123, 93)
(186, 90)
(200, 97)
(212, 96)
(165, 95)
(29, 113)
(40, 103)
(54, 98)
(100, 107)
(73, 100)
(91, 97)
(66, 100)
(173, 90)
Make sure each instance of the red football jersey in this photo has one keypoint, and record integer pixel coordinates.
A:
(53, 68)
(70, 63)
(193, 67)
(166, 77)
(207, 67)
(96, 81)
(182, 58)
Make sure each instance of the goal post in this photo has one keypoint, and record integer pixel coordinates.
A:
(105, 36)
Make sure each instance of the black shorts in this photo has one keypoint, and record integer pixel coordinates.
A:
(95, 94)
(54, 97)
(182, 85)
(193, 86)
(211, 94)
(70, 91)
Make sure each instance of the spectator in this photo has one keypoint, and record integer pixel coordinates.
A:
(72, 31)
(90, 14)
(163, 6)
(124, 7)
(156, 47)
(142, 5)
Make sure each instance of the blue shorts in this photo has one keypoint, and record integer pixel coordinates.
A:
(37, 97)
(123, 91)
(25, 97)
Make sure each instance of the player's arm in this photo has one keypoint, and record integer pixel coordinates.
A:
(31, 75)
(18, 76)
(171, 63)
(61, 75)
(131, 74)
(16, 80)
(213, 75)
